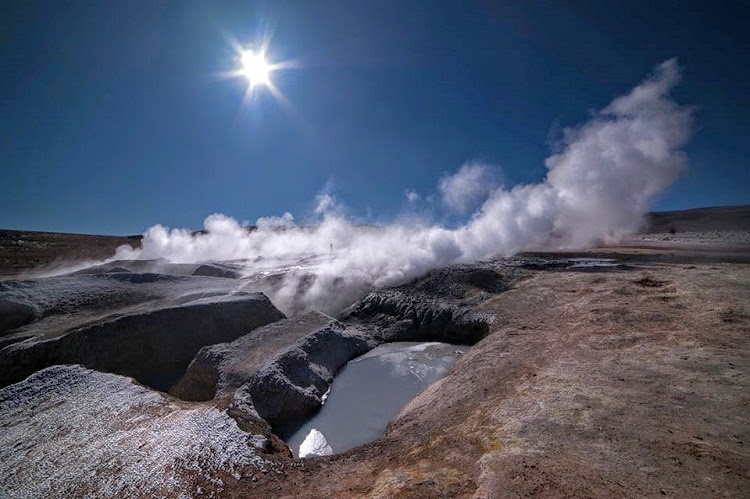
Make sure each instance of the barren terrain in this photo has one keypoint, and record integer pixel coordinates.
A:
(627, 383)
(616, 371)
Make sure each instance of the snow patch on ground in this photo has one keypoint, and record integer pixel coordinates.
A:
(315, 444)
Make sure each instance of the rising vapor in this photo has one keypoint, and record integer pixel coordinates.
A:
(471, 184)
(597, 189)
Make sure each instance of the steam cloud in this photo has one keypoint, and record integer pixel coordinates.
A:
(463, 190)
(598, 187)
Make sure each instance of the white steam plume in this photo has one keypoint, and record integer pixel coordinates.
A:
(466, 188)
(597, 188)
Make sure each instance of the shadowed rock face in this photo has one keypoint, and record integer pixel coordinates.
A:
(13, 315)
(69, 431)
(291, 386)
(217, 370)
(148, 326)
(436, 307)
(402, 316)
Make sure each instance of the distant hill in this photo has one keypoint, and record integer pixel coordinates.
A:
(718, 218)
(23, 250)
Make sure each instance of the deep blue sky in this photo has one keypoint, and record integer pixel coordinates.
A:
(111, 120)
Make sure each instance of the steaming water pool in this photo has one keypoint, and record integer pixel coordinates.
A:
(370, 390)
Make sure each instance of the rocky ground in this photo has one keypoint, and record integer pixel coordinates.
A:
(70, 431)
(22, 251)
(149, 326)
(615, 371)
(628, 382)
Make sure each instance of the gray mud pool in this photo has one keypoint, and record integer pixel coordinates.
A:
(369, 391)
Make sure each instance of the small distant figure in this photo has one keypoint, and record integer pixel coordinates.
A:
(331, 248)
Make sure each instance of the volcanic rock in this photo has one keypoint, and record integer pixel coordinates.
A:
(437, 307)
(291, 386)
(70, 431)
(217, 370)
(148, 326)
(216, 270)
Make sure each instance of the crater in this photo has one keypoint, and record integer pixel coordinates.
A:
(368, 392)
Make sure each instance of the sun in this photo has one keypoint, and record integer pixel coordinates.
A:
(255, 68)
(252, 66)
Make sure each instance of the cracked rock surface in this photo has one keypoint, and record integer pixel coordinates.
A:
(70, 431)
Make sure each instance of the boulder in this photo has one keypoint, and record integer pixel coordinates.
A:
(291, 386)
(217, 370)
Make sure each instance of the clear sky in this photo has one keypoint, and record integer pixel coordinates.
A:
(113, 118)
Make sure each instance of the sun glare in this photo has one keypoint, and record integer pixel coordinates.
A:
(255, 68)
(251, 66)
